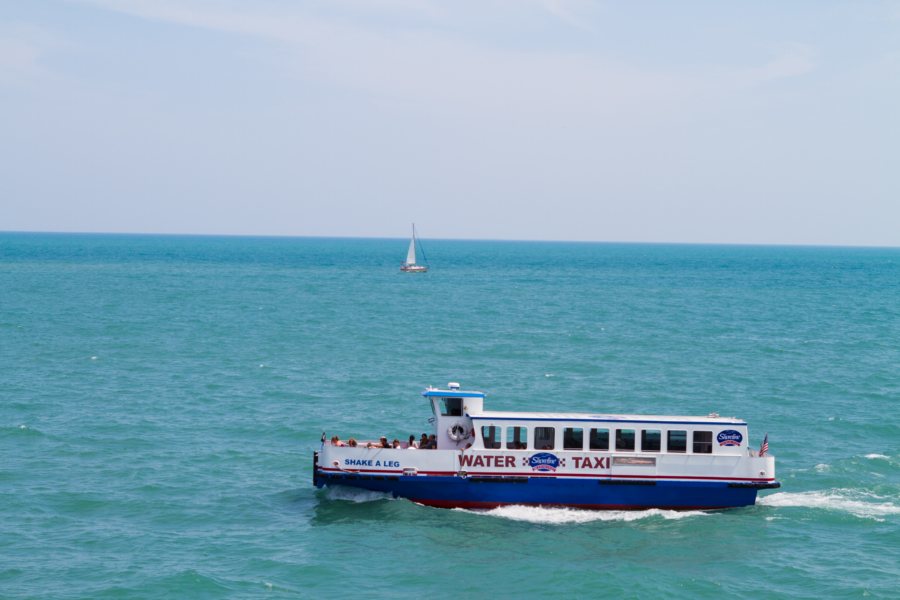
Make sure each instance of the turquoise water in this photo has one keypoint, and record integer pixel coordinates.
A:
(162, 397)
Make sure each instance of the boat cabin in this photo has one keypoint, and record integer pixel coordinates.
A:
(461, 422)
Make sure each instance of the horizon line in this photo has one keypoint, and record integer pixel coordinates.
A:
(339, 237)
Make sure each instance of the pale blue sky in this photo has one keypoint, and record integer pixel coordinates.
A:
(763, 122)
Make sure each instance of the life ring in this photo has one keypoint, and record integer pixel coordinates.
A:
(458, 432)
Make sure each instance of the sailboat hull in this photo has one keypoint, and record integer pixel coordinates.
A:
(413, 269)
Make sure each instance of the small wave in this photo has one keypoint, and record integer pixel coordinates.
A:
(855, 503)
(21, 430)
(352, 494)
(565, 516)
(877, 456)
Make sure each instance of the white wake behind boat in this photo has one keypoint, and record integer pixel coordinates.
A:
(410, 265)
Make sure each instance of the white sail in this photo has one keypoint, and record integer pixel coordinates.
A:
(411, 255)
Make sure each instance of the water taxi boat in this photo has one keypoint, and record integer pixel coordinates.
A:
(485, 459)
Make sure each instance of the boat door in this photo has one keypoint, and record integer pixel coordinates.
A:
(635, 452)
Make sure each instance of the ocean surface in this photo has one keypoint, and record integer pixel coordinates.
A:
(161, 398)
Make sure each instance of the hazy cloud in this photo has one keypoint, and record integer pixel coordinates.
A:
(797, 61)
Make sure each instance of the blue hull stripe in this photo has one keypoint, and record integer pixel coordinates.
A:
(467, 493)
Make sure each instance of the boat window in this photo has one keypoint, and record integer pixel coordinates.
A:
(677, 441)
(491, 437)
(624, 439)
(544, 437)
(451, 407)
(573, 438)
(599, 439)
(517, 438)
(651, 439)
(703, 442)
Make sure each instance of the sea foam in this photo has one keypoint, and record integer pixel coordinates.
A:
(565, 516)
(352, 494)
(857, 503)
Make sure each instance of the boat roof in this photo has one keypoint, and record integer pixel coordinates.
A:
(594, 417)
(451, 393)
(545, 416)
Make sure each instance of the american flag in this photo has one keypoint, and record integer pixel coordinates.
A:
(765, 446)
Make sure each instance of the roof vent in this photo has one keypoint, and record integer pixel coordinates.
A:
(453, 385)
(713, 415)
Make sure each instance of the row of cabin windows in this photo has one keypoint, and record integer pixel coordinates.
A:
(598, 439)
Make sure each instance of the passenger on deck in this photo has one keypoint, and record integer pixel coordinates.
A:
(396, 444)
(413, 444)
(336, 441)
(352, 443)
(423, 441)
(385, 443)
(431, 444)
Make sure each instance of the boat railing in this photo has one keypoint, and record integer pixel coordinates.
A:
(364, 443)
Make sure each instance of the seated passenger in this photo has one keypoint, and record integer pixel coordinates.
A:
(432, 443)
(396, 444)
(352, 443)
(385, 443)
(423, 441)
(336, 441)
(413, 444)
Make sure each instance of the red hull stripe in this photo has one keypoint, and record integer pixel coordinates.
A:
(529, 474)
(488, 505)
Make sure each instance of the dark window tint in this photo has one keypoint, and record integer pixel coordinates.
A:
(517, 438)
(703, 442)
(624, 439)
(677, 441)
(451, 407)
(543, 438)
(599, 439)
(573, 438)
(651, 440)
(491, 436)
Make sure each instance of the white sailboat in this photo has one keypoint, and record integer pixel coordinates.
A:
(410, 265)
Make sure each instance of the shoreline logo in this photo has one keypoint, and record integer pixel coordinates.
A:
(730, 437)
(543, 462)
